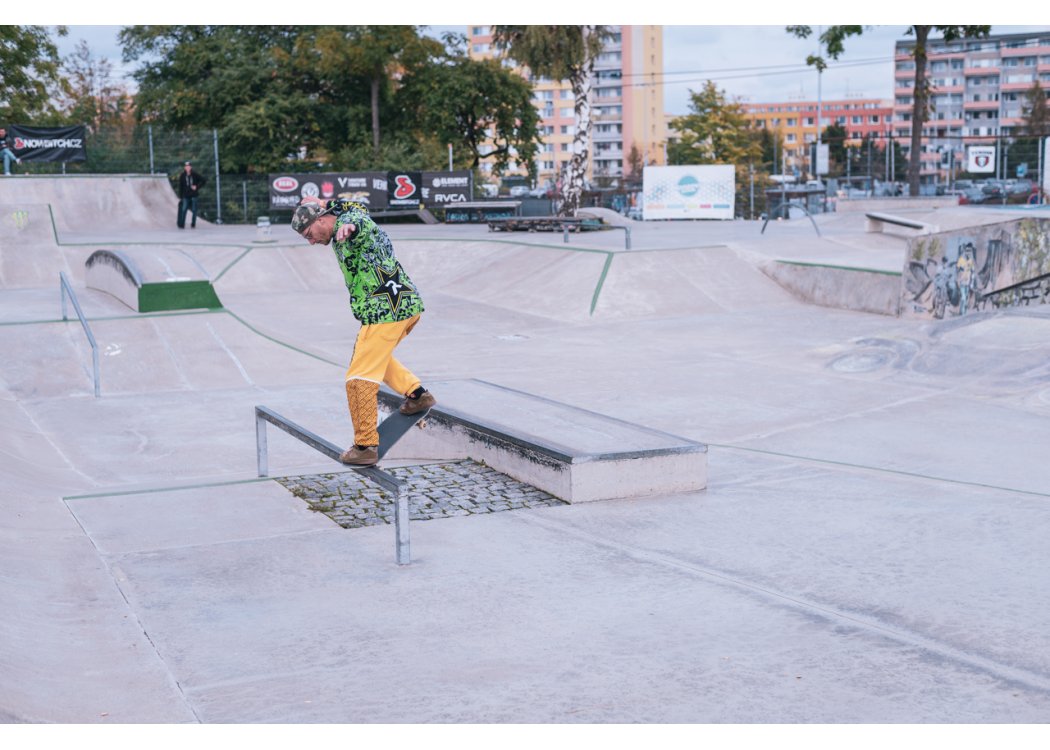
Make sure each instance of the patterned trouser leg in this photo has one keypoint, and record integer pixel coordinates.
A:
(374, 361)
(361, 397)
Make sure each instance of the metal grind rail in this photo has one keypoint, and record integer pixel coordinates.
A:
(67, 291)
(319, 444)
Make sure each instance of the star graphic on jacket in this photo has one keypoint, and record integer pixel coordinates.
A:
(391, 286)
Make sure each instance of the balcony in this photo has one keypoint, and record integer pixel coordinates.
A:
(1017, 86)
(992, 71)
(980, 106)
(1024, 51)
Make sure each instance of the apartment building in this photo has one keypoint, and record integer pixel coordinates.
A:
(797, 122)
(978, 93)
(626, 105)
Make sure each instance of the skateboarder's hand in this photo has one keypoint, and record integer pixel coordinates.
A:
(347, 231)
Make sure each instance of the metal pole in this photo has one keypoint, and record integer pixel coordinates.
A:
(260, 445)
(1041, 179)
(816, 167)
(751, 173)
(871, 181)
(404, 551)
(218, 186)
(244, 192)
(149, 130)
(450, 157)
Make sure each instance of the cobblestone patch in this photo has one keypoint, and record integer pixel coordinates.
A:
(456, 488)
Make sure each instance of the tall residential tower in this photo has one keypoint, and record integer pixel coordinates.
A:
(626, 100)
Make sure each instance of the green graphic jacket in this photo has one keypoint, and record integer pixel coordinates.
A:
(380, 290)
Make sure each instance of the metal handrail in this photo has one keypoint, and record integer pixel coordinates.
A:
(627, 233)
(67, 290)
(319, 444)
(789, 205)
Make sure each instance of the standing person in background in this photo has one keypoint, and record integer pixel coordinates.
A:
(189, 184)
(6, 152)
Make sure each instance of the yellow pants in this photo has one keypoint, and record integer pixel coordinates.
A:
(373, 362)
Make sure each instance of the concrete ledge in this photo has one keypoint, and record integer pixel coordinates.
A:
(865, 290)
(877, 223)
(574, 454)
(160, 280)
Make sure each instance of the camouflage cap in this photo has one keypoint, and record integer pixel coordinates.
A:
(306, 214)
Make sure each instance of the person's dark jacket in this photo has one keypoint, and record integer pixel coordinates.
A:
(185, 180)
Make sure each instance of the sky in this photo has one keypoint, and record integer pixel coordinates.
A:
(751, 63)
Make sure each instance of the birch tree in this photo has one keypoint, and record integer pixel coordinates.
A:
(561, 53)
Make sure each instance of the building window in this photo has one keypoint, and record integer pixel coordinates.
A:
(480, 30)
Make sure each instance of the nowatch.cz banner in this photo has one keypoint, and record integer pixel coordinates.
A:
(48, 144)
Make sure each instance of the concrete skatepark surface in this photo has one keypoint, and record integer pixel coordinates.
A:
(870, 548)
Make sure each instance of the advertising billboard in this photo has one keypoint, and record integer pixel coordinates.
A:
(378, 191)
(689, 192)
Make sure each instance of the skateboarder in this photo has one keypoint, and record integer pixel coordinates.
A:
(385, 301)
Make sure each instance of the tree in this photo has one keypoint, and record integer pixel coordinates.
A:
(832, 41)
(477, 104)
(376, 53)
(717, 131)
(89, 94)
(30, 64)
(236, 79)
(561, 53)
(635, 164)
(835, 137)
(1036, 112)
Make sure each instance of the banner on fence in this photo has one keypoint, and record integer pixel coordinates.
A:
(980, 159)
(689, 192)
(379, 191)
(48, 144)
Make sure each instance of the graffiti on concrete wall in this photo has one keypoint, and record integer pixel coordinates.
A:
(955, 273)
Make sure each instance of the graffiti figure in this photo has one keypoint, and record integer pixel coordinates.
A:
(945, 288)
(964, 275)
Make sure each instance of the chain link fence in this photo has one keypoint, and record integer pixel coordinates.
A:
(873, 170)
(227, 198)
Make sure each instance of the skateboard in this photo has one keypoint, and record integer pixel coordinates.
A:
(394, 427)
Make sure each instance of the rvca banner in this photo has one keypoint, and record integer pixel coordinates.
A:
(48, 144)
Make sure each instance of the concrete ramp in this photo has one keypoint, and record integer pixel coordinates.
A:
(674, 283)
(83, 202)
(152, 281)
(29, 253)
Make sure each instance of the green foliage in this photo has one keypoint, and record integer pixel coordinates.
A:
(716, 132)
(560, 53)
(29, 62)
(1036, 114)
(478, 103)
(272, 92)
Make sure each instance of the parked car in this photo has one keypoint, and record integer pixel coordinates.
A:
(1019, 187)
(971, 196)
(993, 191)
(963, 184)
(519, 191)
